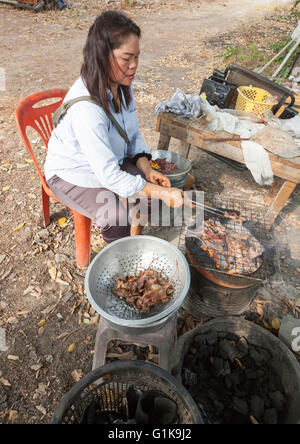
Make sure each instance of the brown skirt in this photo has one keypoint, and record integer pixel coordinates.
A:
(105, 208)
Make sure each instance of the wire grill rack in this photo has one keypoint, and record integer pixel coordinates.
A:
(260, 225)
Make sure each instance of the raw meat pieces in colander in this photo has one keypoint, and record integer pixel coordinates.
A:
(145, 289)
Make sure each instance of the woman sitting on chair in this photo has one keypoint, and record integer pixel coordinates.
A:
(96, 154)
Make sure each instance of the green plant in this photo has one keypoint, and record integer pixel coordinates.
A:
(254, 56)
(277, 48)
(295, 10)
(230, 52)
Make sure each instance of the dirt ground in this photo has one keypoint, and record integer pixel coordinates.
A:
(48, 325)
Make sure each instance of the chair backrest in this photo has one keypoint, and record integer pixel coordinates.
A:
(28, 114)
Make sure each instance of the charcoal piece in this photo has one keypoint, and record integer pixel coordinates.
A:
(189, 361)
(227, 369)
(212, 394)
(203, 413)
(250, 374)
(195, 390)
(218, 366)
(212, 337)
(228, 351)
(240, 406)
(199, 340)
(233, 417)
(268, 401)
(211, 351)
(257, 406)
(89, 414)
(232, 337)
(259, 356)
(132, 396)
(251, 386)
(278, 400)
(274, 381)
(193, 351)
(235, 378)
(271, 417)
(164, 411)
(154, 408)
(219, 407)
(202, 371)
(243, 346)
(92, 415)
(249, 362)
(228, 382)
(189, 378)
(260, 373)
(203, 354)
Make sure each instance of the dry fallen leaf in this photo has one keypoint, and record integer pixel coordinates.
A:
(276, 323)
(13, 416)
(41, 323)
(72, 348)
(5, 382)
(77, 375)
(41, 409)
(62, 221)
(253, 420)
(19, 227)
(36, 367)
(128, 355)
(60, 281)
(259, 309)
(42, 389)
(13, 357)
(28, 290)
(53, 272)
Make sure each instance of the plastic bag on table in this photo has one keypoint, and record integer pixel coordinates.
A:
(291, 126)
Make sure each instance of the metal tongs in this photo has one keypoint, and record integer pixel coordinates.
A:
(215, 211)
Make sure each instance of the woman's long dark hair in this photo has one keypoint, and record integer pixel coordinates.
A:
(106, 34)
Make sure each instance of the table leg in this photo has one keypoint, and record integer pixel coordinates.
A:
(282, 191)
(164, 141)
(185, 149)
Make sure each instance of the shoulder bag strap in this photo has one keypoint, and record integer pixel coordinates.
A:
(63, 108)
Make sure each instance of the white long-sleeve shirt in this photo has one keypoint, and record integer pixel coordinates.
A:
(86, 149)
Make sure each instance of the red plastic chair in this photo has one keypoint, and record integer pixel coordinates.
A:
(40, 119)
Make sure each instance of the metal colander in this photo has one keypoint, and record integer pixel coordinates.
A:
(128, 256)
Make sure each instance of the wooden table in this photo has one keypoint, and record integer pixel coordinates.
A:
(195, 132)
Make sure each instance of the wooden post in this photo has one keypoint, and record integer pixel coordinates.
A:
(164, 141)
(284, 190)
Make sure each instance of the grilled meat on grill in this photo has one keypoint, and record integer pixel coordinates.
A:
(234, 249)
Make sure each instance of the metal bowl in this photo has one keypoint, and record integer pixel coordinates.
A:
(183, 166)
(128, 256)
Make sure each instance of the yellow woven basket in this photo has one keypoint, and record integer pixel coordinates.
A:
(255, 100)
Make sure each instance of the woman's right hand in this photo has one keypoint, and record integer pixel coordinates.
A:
(175, 198)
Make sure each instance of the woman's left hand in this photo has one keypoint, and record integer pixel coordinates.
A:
(157, 178)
